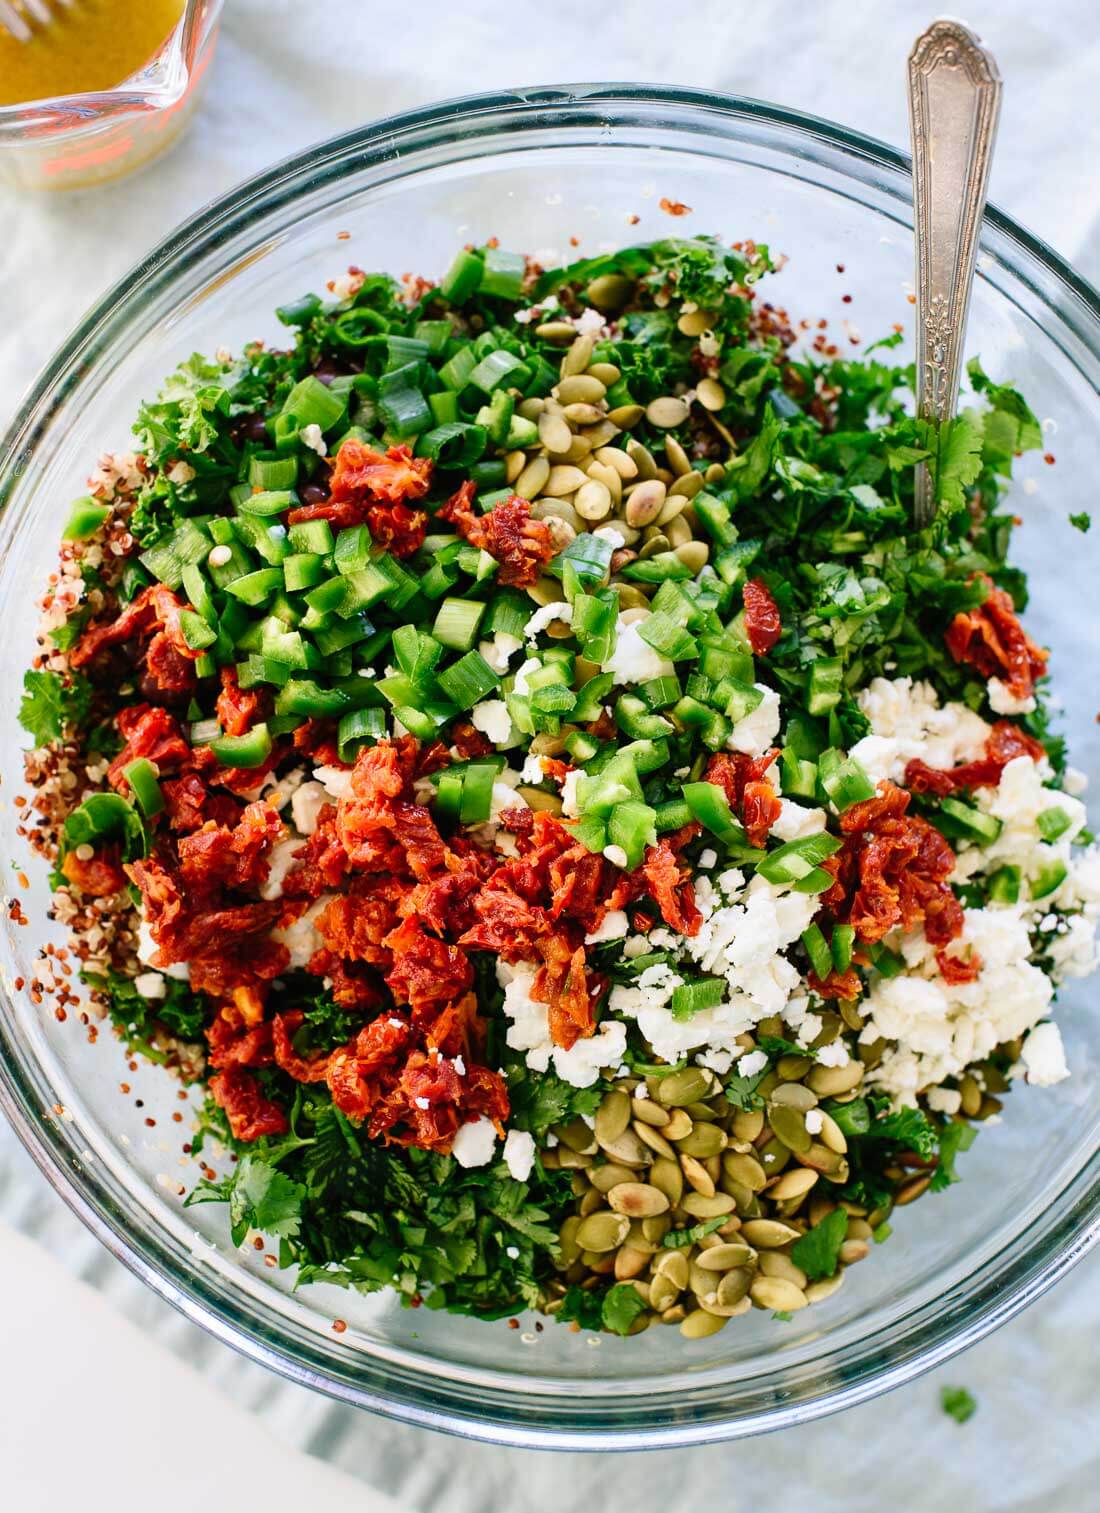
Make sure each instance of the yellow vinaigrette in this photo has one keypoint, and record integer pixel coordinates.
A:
(90, 45)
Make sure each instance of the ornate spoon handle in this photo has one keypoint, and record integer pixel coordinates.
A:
(954, 99)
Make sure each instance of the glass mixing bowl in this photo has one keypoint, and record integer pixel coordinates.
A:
(536, 170)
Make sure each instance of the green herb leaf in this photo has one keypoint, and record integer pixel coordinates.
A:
(621, 1306)
(958, 1403)
(957, 1136)
(1081, 521)
(818, 1251)
(52, 704)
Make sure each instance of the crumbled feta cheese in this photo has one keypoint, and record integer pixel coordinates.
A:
(815, 1121)
(590, 322)
(521, 686)
(312, 437)
(1075, 781)
(423, 1102)
(147, 949)
(219, 555)
(559, 610)
(796, 821)
(613, 926)
(616, 856)
(491, 717)
(612, 534)
(834, 1054)
(529, 1032)
(497, 651)
(1044, 1056)
(944, 1100)
(708, 858)
(1003, 702)
(302, 937)
(150, 984)
(336, 781)
(180, 472)
(570, 808)
(634, 660)
(755, 1061)
(907, 721)
(756, 733)
(512, 1252)
(280, 862)
(474, 1142)
(519, 1154)
(306, 803)
(637, 945)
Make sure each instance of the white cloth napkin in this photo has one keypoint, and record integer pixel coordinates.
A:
(286, 75)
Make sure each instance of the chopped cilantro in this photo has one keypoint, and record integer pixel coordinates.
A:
(957, 1136)
(958, 1403)
(818, 1251)
(583, 1306)
(621, 1306)
(53, 705)
(1081, 521)
(682, 1239)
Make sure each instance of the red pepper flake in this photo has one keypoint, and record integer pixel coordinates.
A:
(674, 207)
(845, 299)
(633, 219)
(257, 1243)
(338, 1326)
(124, 1087)
(23, 879)
(270, 1261)
(20, 984)
(343, 236)
(840, 267)
(912, 298)
(1048, 458)
(574, 241)
(60, 1015)
(151, 1123)
(513, 1323)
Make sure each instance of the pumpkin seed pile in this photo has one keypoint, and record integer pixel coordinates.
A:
(697, 1203)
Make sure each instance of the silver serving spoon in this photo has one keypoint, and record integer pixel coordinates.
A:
(954, 101)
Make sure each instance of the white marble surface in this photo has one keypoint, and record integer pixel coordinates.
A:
(288, 74)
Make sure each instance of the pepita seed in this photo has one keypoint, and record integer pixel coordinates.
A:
(744, 1169)
(579, 414)
(669, 1179)
(578, 357)
(827, 1081)
(672, 509)
(561, 534)
(832, 1135)
(747, 1123)
(678, 459)
(793, 1068)
(677, 529)
(700, 1324)
(688, 485)
(789, 1125)
(663, 1292)
(592, 1199)
(656, 1226)
(703, 1140)
(795, 1183)
(777, 1294)
(698, 1176)
(602, 1231)
(852, 1251)
(630, 1263)
(592, 500)
(656, 1142)
(694, 554)
(679, 1125)
(734, 1286)
(637, 1237)
(699, 1206)
(577, 451)
(643, 459)
(910, 1190)
(600, 472)
(773, 1263)
(625, 416)
(710, 394)
(674, 1265)
(723, 1257)
(554, 433)
(564, 480)
(638, 1200)
(681, 1088)
(530, 483)
(653, 546)
(530, 409)
(600, 434)
(626, 1149)
(610, 292)
(513, 466)
(610, 1174)
(821, 1159)
(606, 372)
(650, 1113)
(645, 502)
(570, 1160)
(548, 507)
(695, 322)
(622, 462)
(667, 412)
(817, 1292)
(612, 1116)
(567, 1240)
(557, 331)
(768, 1234)
(796, 1094)
(579, 389)
(601, 1262)
(577, 1135)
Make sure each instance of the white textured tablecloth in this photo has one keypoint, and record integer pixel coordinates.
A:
(288, 74)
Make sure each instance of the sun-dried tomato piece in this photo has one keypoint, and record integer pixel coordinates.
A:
(251, 1115)
(1004, 743)
(760, 808)
(189, 803)
(351, 1092)
(992, 640)
(354, 925)
(168, 675)
(98, 877)
(671, 889)
(155, 608)
(889, 803)
(844, 985)
(469, 741)
(382, 1043)
(237, 858)
(562, 984)
(321, 864)
(520, 544)
(374, 488)
(762, 623)
(233, 1043)
(302, 1068)
(425, 969)
(959, 969)
(151, 732)
(238, 709)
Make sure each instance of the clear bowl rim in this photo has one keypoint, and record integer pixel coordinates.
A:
(89, 1198)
